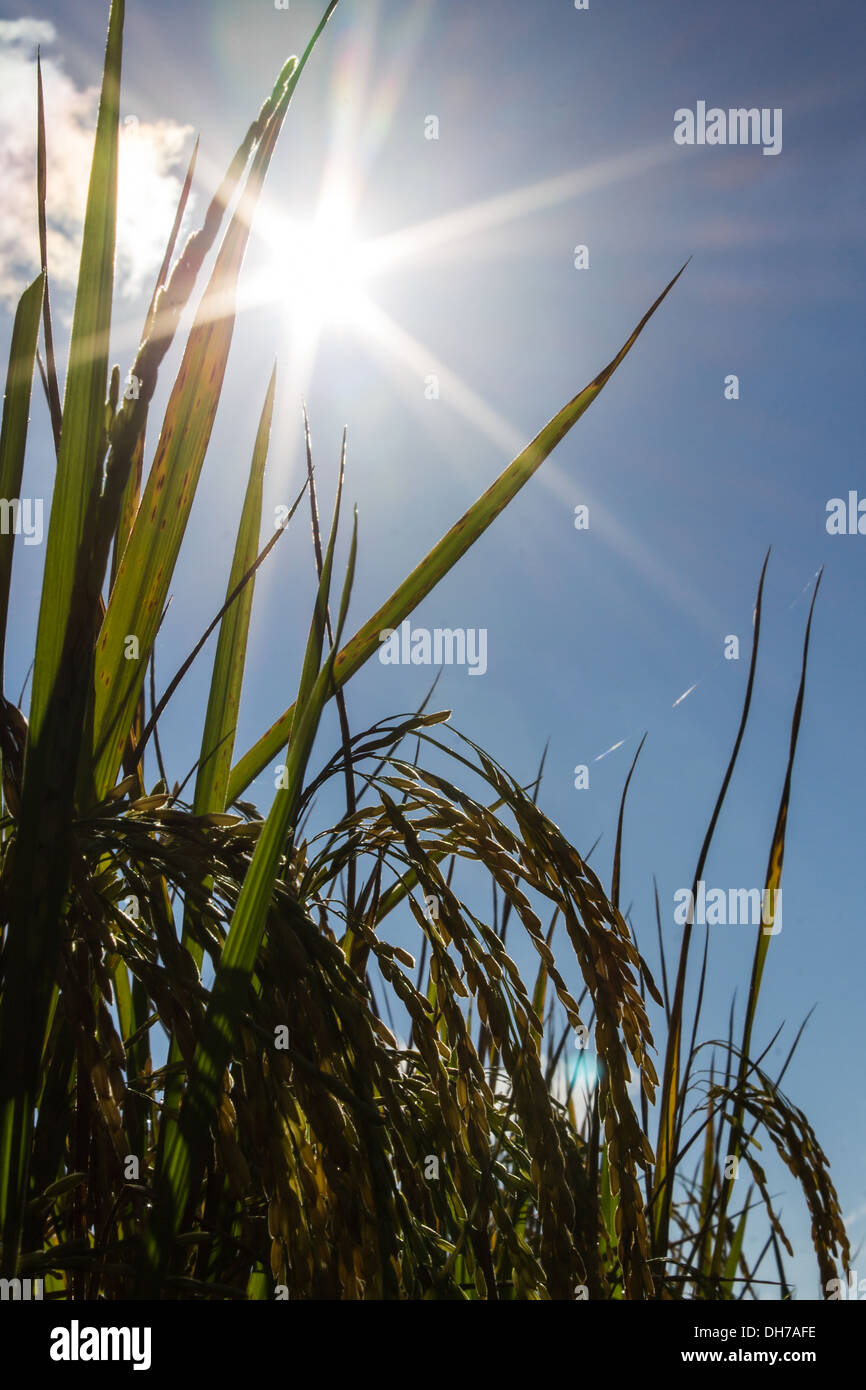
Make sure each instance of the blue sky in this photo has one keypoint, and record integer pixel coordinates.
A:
(592, 635)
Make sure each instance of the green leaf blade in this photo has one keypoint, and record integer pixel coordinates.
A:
(13, 432)
(141, 586)
(82, 439)
(228, 669)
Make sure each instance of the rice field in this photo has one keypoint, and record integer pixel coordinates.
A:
(218, 1078)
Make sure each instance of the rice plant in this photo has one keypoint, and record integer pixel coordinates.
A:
(199, 1095)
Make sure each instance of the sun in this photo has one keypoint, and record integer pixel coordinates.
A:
(320, 271)
(327, 279)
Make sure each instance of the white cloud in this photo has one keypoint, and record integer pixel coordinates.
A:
(152, 160)
(27, 31)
